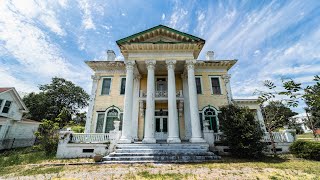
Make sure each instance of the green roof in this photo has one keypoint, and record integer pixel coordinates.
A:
(126, 39)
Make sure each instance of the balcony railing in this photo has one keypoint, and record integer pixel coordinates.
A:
(161, 94)
(89, 137)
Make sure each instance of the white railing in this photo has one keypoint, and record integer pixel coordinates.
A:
(89, 137)
(277, 136)
(161, 94)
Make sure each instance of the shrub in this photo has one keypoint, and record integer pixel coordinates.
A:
(306, 149)
(48, 136)
(241, 132)
(77, 129)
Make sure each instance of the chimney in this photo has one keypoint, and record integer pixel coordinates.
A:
(210, 55)
(111, 55)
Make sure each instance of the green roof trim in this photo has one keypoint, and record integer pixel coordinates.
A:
(123, 40)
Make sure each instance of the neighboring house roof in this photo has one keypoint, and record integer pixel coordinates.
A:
(4, 89)
(15, 93)
(30, 121)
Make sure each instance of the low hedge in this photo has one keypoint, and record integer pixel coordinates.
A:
(306, 149)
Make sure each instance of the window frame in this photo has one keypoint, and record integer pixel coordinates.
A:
(105, 118)
(200, 77)
(4, 106)
(203, 117)
(107, 77)
(1, 102)
(219, 79)
(124, 86)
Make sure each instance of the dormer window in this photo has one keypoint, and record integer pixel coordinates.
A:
(6, 107)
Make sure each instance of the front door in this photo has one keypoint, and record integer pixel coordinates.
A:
(161, 131)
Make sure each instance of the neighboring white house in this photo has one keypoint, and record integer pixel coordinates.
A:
(301, 120)
(14, 130)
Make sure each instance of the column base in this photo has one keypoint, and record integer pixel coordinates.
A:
(124, 141)
(197, 140)
(149, 140)
(173, 140)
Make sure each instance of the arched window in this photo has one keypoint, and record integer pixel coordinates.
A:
(210, 114)
(105, 120)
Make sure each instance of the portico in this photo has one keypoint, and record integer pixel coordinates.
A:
(162, 90)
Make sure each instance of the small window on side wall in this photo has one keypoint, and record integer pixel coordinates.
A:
(6, 107)
(215, 85)
(106, 85)
(123, 86)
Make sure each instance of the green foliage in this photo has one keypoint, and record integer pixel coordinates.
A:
(277, 115)
(48, 136)
(242, 132)
(58, 96)
(306, 149)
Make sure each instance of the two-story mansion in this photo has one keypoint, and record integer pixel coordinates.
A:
(160, 92)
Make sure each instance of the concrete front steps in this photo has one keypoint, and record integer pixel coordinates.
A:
(161, 153)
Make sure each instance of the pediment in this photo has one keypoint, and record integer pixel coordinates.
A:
(160, 34)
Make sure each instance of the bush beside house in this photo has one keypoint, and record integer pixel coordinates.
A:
(306, 149)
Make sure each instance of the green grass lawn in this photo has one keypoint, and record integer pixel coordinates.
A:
(305, 135)
(17, 163)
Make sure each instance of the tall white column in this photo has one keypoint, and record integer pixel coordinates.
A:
(187, 121)
(261, 121)
(194, 113)
(173, 133)
(150, 105)
(135, 106)
(95, 80)
(126, 136)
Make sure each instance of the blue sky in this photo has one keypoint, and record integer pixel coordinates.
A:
(271, 39)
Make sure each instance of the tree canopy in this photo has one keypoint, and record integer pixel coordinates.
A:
(60, 96)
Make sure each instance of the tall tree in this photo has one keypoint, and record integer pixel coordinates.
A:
(60, 96)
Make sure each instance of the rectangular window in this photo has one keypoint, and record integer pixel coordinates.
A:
(6, 107)
(1, 103)
(198, 85)
(100, 121)
(215, 84)
(123, 86)
(106, 84)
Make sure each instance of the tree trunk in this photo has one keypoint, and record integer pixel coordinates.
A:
(273, 145)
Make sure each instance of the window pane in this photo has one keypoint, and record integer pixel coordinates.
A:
(100, 120)
(6, 107)
(215, 86)
(157, 124)
(106, 86)
(109, 124)
(201, 121)
(198, 85)
(123, 86)
(165, 124)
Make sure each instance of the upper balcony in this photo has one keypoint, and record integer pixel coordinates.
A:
(160, 95)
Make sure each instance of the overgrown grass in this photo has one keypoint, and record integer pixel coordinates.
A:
(40, 170)
(22, 156)
(148, 175)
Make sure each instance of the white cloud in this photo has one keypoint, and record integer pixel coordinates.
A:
(163, 16)
(87, 21)
(34, 53)
(8, 80)
(179, 18)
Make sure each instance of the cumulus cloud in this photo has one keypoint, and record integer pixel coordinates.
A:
(87, 21)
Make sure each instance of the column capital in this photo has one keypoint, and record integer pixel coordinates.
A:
(138, 77)
(150, 64)
(171, 64)
(129, 64)
(95, 77)
(190, 64)
(226, 78)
